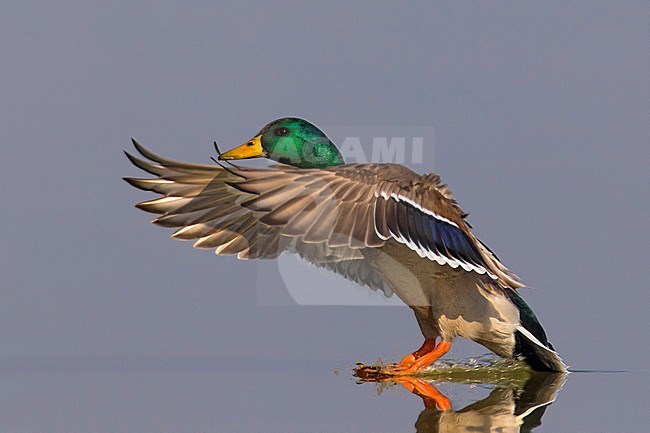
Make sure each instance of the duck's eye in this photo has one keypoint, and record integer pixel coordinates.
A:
(281, 132)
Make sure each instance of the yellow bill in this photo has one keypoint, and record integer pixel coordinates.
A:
(251, 149)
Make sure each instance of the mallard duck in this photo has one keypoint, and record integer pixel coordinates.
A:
(380, 225)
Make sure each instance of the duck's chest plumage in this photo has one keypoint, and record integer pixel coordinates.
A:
(453, 302)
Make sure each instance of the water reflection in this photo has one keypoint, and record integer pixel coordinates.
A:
(516, 403)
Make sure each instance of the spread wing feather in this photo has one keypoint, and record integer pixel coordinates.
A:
(329, 217)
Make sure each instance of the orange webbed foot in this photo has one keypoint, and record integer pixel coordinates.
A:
(430, 395)
(420, 359)
(410, 359)
(411, 364)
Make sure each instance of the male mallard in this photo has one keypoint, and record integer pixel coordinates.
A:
(380, 225)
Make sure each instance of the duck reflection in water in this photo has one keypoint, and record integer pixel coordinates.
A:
(516, 403)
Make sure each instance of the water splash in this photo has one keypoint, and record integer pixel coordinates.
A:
(485, 369)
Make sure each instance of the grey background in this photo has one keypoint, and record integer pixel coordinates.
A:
(541, 120)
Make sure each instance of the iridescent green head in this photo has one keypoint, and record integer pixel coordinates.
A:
(290, 141)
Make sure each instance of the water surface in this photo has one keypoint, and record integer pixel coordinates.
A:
(148, 394)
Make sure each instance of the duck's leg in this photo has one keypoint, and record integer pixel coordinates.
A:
(428, 345)
(430, 332)
(422, 361)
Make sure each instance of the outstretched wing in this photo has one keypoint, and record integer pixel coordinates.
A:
(202, 203)
(329, 217)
